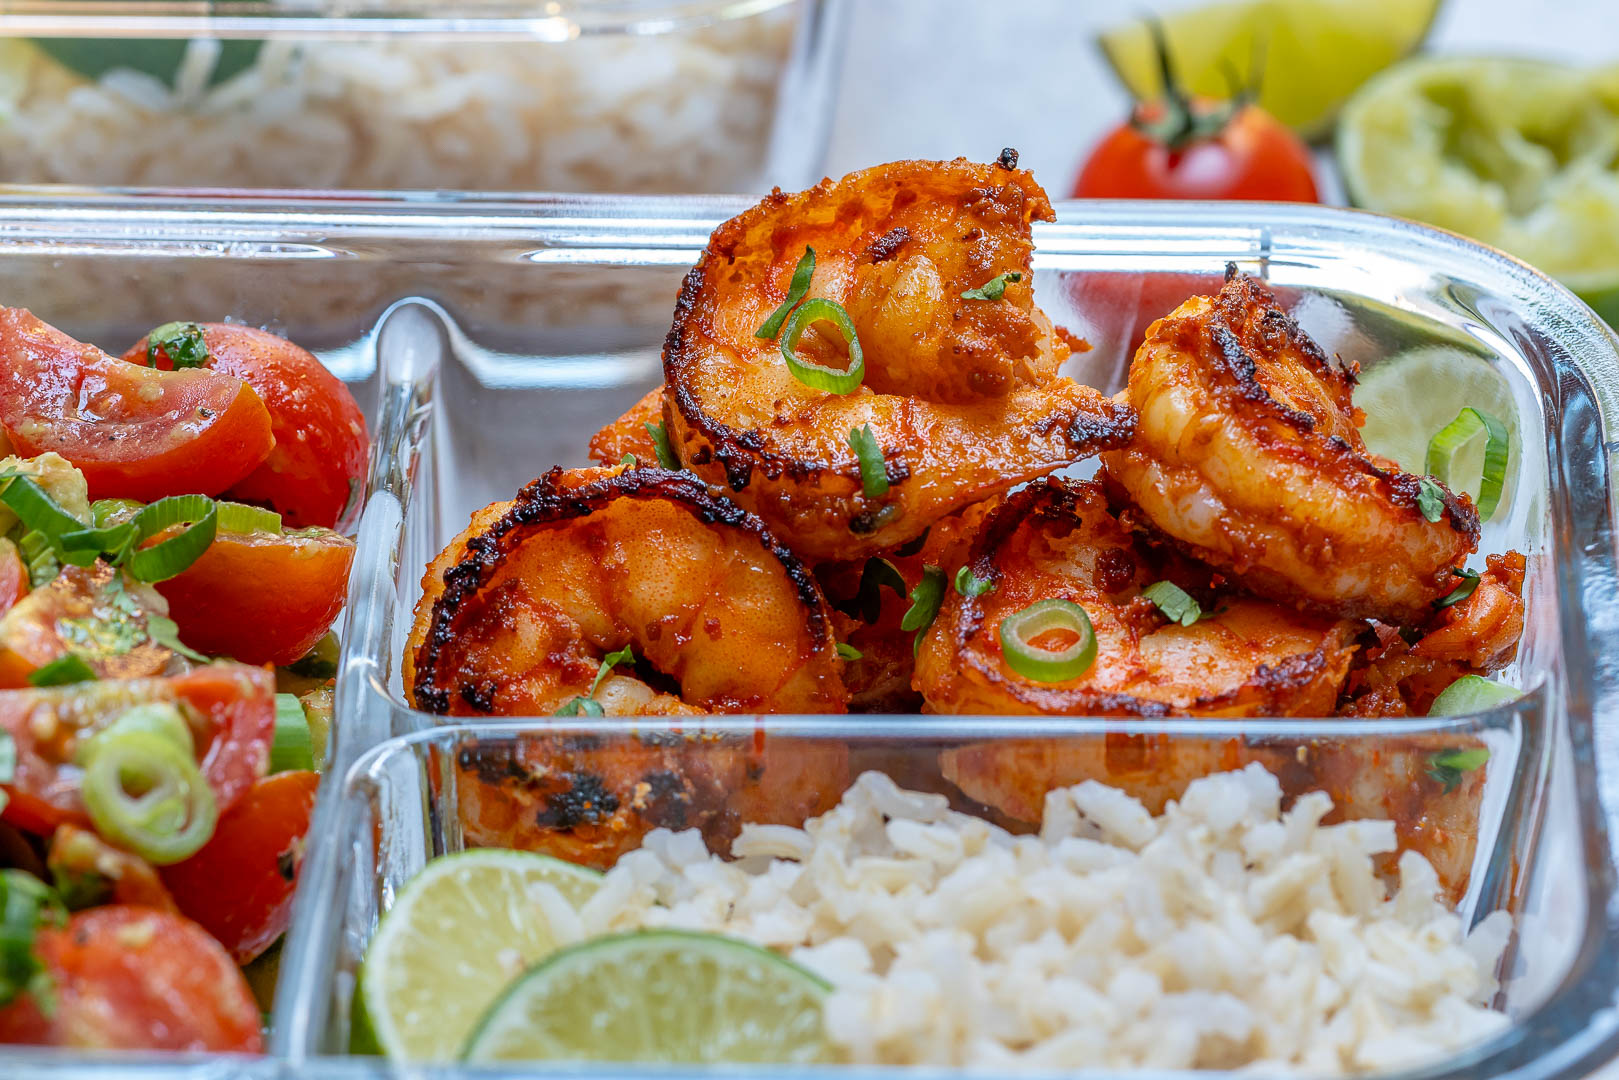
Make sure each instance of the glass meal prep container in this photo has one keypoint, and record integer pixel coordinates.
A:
(494, 95)
(492, 337)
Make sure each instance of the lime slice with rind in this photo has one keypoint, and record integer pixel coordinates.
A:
(1521, 154)
(1410, 397)
(1312, 53)
(457, 935)
(1472, 694)
(659, 996)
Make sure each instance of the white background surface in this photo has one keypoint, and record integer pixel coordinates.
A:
(938, 78)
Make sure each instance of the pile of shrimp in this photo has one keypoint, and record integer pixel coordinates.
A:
(848, 483)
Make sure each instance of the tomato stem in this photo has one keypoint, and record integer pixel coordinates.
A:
(1175, 119)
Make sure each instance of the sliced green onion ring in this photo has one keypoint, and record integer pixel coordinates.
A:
(802, 273)
(848, 652)
(156, 717)
(147, 795)
(1019, 630)
(105, 512)
(292, 748)
(172, 556)
(832, 380)
(1443, 448)
(36, 509)
(238, 517)
(873, 467)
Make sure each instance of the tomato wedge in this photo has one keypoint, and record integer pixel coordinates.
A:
(317, 468)
(233, 711)
(239, 886)
(262, 598)
(87, 611)
(134, 432)
(13, 575)
(135, 978)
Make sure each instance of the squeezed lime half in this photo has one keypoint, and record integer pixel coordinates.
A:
(1521, 154)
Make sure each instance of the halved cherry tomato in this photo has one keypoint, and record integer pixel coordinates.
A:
(135, 978)
(239, 886)
(13, 575)
(232, 707)
(262, 598)
(87, 611)
(134, 432)
(89, 872)
(318, 464)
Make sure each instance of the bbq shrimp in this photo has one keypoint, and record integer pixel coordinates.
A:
(916, 334)
(1249, 456)
(532, 608)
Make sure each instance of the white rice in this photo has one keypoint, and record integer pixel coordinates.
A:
(684, 111)
(1223, 934)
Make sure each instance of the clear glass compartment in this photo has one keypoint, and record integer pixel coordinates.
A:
(623, 96)
(496, 335)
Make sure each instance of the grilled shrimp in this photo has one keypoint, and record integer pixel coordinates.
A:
(628, 434)
(590, 798)
(961, 393)
(519, 611)
(1058, 540)
(1383, 777)
(1475, 636)
(1249, 455)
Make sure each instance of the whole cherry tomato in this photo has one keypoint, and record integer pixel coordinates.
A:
(134, 978)
(314, 474)
(239, 886)
(134, 432)
(261, 598)
(1180, 147)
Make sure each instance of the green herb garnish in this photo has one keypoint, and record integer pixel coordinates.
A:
(65, 670)
(1430, 499)
(994, 288)
(1175, 602)
(970, 585)
(1462, 591)
(181, 342)
(661, 444)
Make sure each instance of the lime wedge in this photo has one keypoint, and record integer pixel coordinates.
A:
(1471, 694)
(1520, 154)
(459, 932)
(1313, 53)
(665, 996)
(1410, 397)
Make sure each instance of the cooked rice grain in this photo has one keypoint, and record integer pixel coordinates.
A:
(1223, 934)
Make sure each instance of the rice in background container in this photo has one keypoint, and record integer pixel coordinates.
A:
(630, 97)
